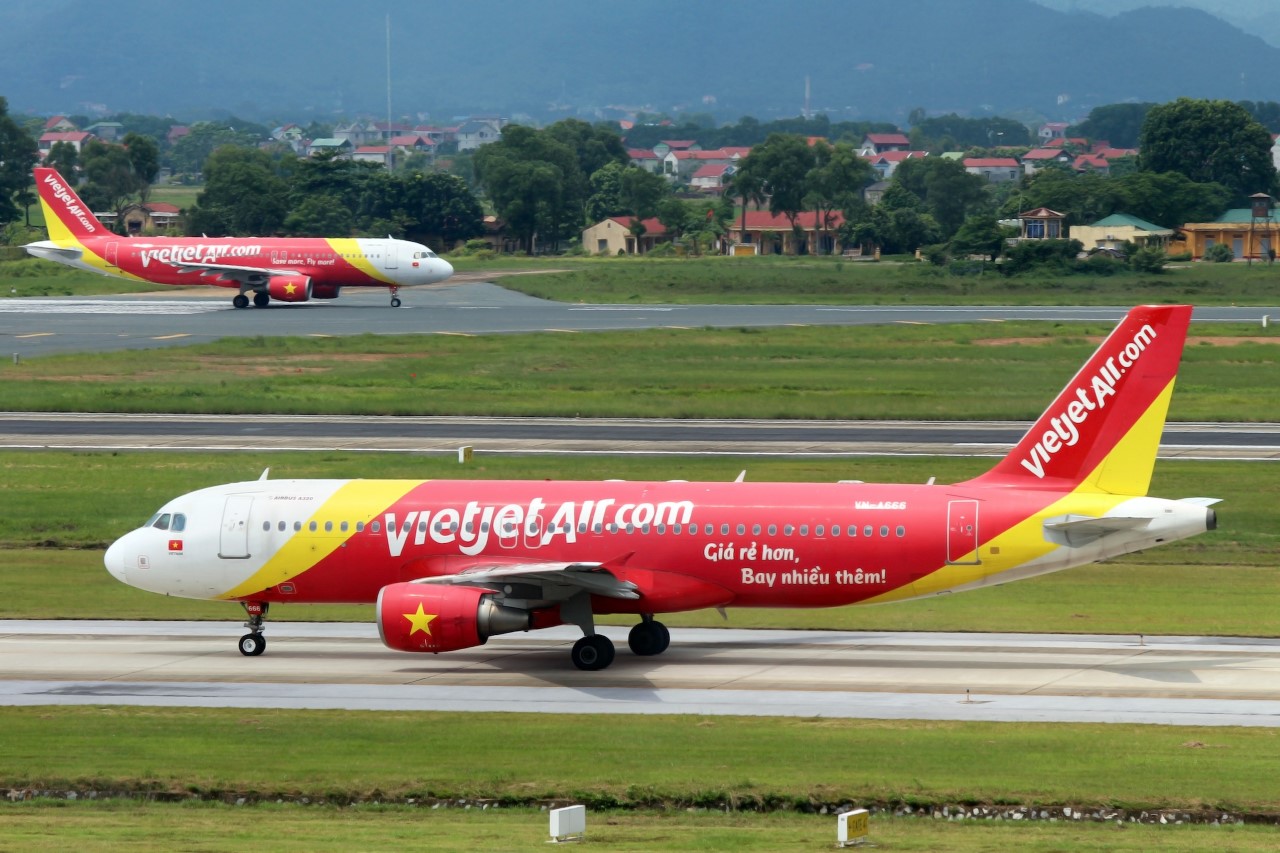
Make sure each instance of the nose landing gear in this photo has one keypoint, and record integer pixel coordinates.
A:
(395, 298)
(253, 643)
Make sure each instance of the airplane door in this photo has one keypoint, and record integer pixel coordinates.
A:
(112, 251)
(962, 533)
(390, 256)
(233, 544)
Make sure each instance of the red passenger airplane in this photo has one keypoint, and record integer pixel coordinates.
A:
(452, 563)
(287, 269)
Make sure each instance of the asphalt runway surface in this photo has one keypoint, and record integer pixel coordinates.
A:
(1201, 681)
(36, 327)
(95, 431)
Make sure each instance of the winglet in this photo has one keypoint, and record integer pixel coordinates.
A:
(1102, 432)
(68, 219)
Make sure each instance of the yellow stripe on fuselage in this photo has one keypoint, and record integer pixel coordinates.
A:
(356, 500)
(355, 253)
(1127, 466)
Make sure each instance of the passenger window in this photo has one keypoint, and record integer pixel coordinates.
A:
(724, 530)
(281, 527)
(359, 526)
(376, 527)
(884, 530)
(328, 527)
(835, 530)
(266, 527)
(343, 527)
(804, 530)
(755, 530)
(788, 530)
(742, 530)
(297, 525)
(901, 531)
(773, 530)
(312, 527)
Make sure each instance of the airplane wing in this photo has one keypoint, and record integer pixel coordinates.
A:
(589, 577)
(231, 272)
(1077, 530)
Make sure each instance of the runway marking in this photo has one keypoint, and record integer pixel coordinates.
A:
(37, 335)
(103, 306)
(170, 337)
(621, 308)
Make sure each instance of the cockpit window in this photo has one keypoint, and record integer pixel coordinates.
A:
(179, 522)
(160, 521)
(427, 254)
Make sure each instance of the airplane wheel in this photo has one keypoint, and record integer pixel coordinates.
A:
(395, 302)
(592, 653)
(649, 638)
(261, 300)
(240, 301)
(252, 645)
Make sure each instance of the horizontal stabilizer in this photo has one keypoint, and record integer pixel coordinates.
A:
(47, 250)
(1077, 530)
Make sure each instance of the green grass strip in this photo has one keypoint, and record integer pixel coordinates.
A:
(1006, 371)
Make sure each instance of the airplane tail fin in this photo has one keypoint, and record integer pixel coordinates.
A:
(1102, 432)
(68, 219)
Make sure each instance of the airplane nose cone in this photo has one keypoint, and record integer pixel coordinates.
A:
(114, 560)
(446, 269)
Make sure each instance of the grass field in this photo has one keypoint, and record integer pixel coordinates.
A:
(872, 372)
(782, 280)
(148, 827)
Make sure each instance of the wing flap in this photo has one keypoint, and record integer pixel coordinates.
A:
(589, 577)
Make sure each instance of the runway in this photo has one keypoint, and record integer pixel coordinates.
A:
(618, 436)
(1196, 681)
(35, 327)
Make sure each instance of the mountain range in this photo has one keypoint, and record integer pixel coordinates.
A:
(290, 59)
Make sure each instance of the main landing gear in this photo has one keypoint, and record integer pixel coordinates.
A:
(595, 651)
(253, 643)
(395, 297)
(261, 299)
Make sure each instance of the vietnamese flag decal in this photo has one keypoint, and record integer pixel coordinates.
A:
(175, 545)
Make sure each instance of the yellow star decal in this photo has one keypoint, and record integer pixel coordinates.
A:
(421, 621)
(290, 288)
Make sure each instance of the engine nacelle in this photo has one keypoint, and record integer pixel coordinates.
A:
(416, 617)
(289, 288)
(325, 291)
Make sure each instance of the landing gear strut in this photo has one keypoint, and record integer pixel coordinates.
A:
(395, 298)
(253, 643)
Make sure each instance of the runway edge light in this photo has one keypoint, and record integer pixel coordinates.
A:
(852, 828)
(568, 824)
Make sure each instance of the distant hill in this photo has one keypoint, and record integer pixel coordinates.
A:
(290, 59)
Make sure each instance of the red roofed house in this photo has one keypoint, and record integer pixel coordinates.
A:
(412, 144)
(712, 178)
(1091, 163)
(773, 235)
(645, 159)
(878, 143)
(1036, 159)
(680, 165)
(383, 154)
(59, 124)
(996, 170)
(77, 138)
(1051, 130)
(613, 236)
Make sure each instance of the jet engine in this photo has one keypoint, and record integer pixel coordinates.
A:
(415, 617)
(289, 288)
(325, 291)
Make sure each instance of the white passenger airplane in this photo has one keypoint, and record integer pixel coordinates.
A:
(451, 563)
